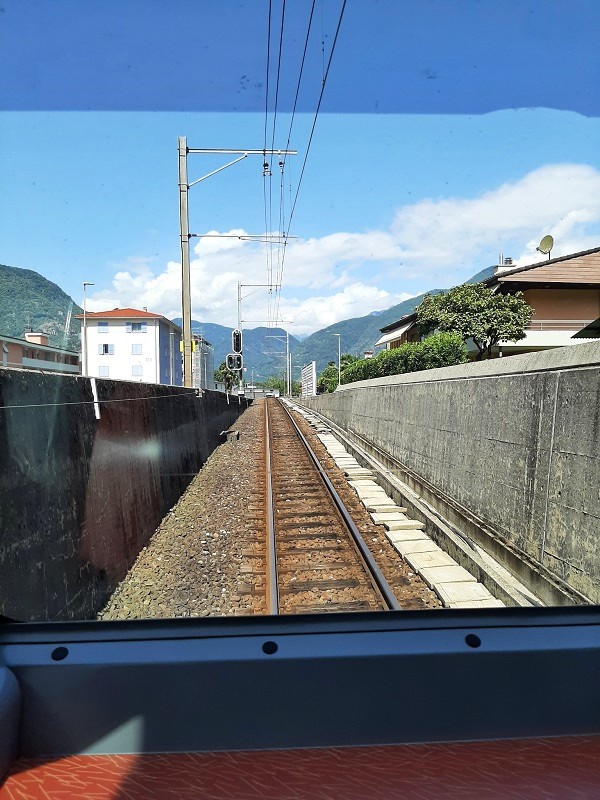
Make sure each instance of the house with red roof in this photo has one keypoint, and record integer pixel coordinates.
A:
(132, 345)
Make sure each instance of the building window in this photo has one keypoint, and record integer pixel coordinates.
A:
(136, 327)
(106, 349)
(136, 349)
(103, 372)
(103, 327)
(137, 370)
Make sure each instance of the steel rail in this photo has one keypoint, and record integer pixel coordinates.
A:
(272, 582)
(372, 568)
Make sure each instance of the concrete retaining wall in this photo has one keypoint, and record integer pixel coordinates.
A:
(512, 444)
(80, 496)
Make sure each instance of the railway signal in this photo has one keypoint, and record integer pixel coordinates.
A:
(236, 341)
(234, 361)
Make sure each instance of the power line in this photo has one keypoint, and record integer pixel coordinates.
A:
(312, 10)
(312, 131)
(279, 56)
(281, 260)
(278, 74)
(265, 164)
(268, 69)
(310, 138)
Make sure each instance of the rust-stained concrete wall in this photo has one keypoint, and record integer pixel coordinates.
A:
(80, 496)
(513, 442)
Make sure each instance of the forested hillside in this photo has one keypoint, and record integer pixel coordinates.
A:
(29, 301)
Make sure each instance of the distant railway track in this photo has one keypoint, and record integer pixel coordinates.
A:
(316, 558)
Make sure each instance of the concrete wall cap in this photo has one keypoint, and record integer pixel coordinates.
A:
(560, 358)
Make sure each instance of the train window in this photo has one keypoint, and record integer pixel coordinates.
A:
(319, 175)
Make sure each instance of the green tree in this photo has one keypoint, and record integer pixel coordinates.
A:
(226, 376)
(327, 381)
(274, 382)
(347, 359)
(475, 312)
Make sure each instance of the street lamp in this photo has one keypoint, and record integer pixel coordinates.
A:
(339, 335)
(84, 360)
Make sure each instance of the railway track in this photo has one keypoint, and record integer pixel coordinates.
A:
(316, 558)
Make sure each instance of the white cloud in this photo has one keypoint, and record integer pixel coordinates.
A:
(355, 300)
(330, 278)
(443, 232)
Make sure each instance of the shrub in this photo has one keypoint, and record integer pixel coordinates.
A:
(439, 350)
(360, 370)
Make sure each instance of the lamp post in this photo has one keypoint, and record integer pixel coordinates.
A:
(84, 360)
(339, 335)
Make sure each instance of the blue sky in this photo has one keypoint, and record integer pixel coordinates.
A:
(473, 130)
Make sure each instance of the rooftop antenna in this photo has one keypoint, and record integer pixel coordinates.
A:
(546, 245)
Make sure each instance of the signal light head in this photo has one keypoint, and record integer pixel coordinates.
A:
(234, 361)
(236, 341)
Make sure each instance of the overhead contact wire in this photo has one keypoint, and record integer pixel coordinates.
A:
(312, 131)
(273, 147)
(269, 275)
(310, 138)
(279, 280)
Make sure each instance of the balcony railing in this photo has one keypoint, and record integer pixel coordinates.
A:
(557, 324)
(48, 366)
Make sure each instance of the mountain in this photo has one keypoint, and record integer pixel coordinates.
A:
(357, 335)
(259, 350)
(29, 301)
(483, 275)
(360, 333)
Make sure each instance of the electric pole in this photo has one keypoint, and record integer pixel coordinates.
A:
(185, 235)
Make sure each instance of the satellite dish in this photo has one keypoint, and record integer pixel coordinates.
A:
(546, 245)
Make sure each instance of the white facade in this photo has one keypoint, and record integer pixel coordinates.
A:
(145, 350)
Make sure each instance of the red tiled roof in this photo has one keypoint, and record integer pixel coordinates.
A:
(122, 313)
(126, 313)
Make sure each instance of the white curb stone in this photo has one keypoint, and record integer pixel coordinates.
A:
(464, 592)
(411, 535)
(416, 546)
(434, 576)
(419, 561)
(404, 525)
(491, 602)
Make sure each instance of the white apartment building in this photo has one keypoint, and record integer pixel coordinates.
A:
(131, 345)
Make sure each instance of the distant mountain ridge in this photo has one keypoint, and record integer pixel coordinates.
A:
(28, 301)
(263, 355)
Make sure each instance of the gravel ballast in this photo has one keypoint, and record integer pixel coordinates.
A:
(207, 557)
(194, 564)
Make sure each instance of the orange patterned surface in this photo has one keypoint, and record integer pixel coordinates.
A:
(552, 769)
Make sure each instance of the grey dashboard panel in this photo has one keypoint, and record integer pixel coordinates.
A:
(266, 682)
